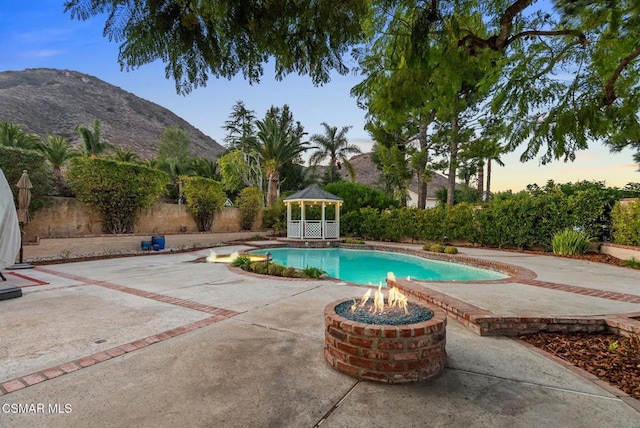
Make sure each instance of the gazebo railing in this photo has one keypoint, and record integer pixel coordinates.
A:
(313, 229)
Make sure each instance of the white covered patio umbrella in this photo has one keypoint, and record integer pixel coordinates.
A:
(10, 236)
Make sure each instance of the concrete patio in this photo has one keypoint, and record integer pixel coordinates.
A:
(158, 340)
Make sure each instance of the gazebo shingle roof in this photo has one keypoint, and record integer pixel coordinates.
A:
(312, 193)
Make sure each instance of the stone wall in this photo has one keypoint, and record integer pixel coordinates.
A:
(67, 218)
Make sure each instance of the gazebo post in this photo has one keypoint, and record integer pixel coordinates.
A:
(288, 204)
(302, 222)
(338, 220)
(322, 222)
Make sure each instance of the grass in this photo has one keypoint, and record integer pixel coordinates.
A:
(633, 263)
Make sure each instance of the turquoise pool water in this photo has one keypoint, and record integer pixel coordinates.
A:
(370, 267)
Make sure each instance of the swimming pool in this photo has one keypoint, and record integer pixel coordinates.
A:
(370, 267)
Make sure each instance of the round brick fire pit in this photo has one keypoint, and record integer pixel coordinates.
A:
(385, 353)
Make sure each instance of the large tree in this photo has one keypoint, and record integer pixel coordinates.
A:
(334, 147)
(572, 73)
(58, 152)
(277, 142)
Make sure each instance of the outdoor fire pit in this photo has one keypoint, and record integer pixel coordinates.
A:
(383, 340)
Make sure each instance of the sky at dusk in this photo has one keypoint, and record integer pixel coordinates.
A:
(38, 34)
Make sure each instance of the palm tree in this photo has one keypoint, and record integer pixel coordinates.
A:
(333, 145)
(276, 144)
(57, 151)
(92, 140)
(125, 155)
(207, 168)
(12, 135)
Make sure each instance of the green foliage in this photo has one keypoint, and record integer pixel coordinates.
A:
(204, 198)
(626, 223)
(92, 141)
(436, 248)
(458, 222)
(275, 217)
(14, 160)
(632, 263)
(353, 241)
(371, 226)
(118, 190)
(238, 171)
(350, 223)
(460, 195)
(12, 135)
(356, 196)
(228, 38)
(335, 147)
(569, 242)
(249, 204)
(278, 142)
(313, 272)
(240, 261)
(450, 250)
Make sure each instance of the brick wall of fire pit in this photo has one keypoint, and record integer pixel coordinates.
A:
(385, 353)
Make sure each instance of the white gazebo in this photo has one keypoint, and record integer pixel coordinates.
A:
(306, 228)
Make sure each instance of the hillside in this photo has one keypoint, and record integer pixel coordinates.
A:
(50, 101)
(367, 173)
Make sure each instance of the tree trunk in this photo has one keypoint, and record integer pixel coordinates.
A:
(422, 166)
(453, 161)
(488, 179)
(272, 188)
(481, 180)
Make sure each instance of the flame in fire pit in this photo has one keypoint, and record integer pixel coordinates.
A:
(396, 300)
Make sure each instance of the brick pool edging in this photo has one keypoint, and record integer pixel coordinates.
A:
(486, 323)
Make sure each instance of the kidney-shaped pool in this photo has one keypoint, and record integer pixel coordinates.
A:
(370, 267)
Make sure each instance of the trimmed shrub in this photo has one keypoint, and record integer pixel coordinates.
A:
(204, 198)
(569, 242)
(371, 226)
(119, 190)
(626, 223)
(249, 204)
(436, 248)
(353, 241)
(450, 250)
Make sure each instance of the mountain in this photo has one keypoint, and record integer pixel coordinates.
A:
(50, 101)
(367, 173)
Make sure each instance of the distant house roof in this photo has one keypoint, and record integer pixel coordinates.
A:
(312, 193)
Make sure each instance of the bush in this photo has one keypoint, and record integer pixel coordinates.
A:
(275, 217)
(249, 204)
(356, 196)
(240, 261)
(353, 241)
(14, 160)
(570, 241)
(626, 223)
(436, 248)
(119, 190)
(450, 250)
(371, 226)
(313, 272)
(204, 198)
